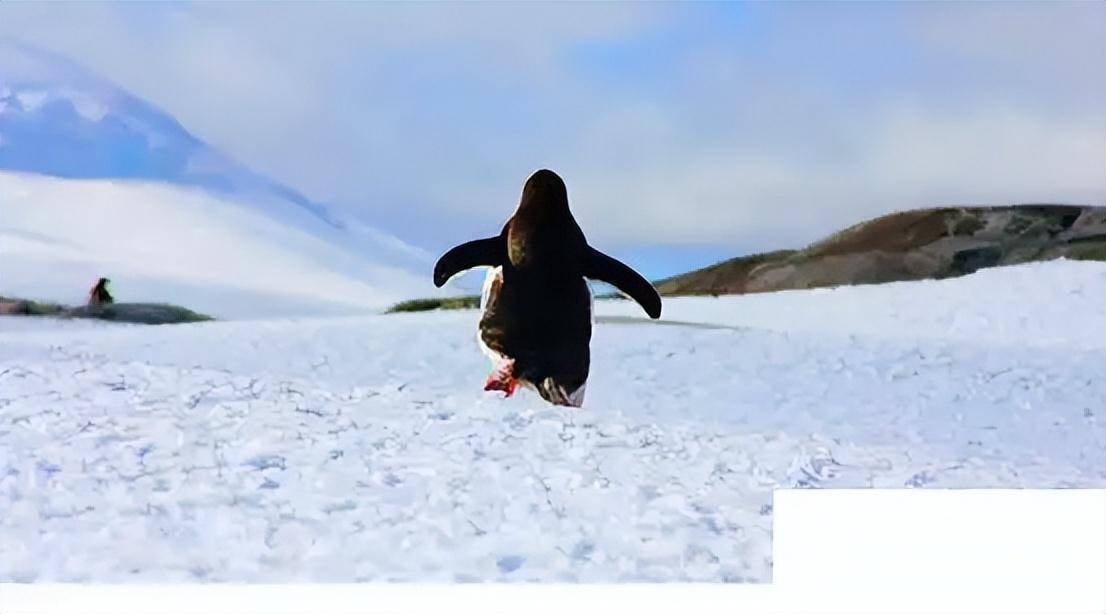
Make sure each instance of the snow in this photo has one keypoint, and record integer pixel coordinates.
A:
(207, 253)
(363, 448)
(1039, 303)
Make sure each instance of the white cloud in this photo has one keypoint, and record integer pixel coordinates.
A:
(278, 86)
(909, 158)
(760, 143)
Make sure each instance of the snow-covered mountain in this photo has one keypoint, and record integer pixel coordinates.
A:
(94, 181)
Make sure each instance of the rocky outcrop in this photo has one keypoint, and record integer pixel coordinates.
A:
(135, 313)
(138, 313)
(920, 244)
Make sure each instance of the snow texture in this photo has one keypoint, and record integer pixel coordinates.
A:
(363, 448)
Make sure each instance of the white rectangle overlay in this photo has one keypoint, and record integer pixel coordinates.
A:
(853, 551)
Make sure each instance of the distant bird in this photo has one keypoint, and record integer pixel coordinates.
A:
(536, 322)
(99, 294)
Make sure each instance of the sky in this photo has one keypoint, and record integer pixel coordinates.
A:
(686, 132)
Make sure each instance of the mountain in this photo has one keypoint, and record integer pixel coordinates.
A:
(919, 244)
(111, 185)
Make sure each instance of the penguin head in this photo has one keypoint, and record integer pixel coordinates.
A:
(543, 228)
(544, 189)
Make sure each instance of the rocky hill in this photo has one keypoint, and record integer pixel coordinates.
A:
(919, 244)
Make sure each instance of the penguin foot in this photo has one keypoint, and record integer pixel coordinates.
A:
(508, 386)
(502, 378)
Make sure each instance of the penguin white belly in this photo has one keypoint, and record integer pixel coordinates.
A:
(495, 273)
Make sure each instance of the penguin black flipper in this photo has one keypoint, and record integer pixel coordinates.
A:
(481, 252)
(602, 267)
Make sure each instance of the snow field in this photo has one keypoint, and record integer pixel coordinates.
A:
(363, 448)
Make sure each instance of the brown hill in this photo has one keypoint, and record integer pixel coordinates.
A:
(919, 244)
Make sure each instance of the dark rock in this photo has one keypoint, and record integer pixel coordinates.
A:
(138, 313)
(971, 260)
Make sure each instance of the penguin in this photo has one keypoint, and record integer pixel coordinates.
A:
(536, 303)
(99, 294)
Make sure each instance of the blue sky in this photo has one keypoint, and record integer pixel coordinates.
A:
(686, 132)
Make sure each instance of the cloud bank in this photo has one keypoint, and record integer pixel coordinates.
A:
(683, 125)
